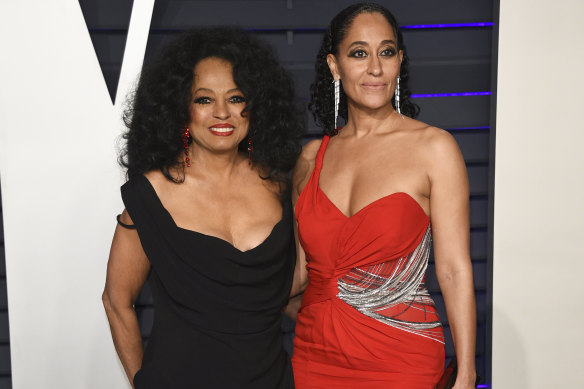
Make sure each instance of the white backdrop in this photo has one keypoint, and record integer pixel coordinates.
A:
(60, 190)
(538, 314)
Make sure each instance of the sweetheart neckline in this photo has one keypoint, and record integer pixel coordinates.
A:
(214, 237)
(407, 195)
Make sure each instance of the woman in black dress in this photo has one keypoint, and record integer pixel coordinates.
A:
(212, 132)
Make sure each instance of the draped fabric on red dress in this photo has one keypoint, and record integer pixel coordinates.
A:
(366, 319)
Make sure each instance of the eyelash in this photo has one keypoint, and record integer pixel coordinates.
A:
(359, 53)
(207, 100)
(202, 100)
(237, 99)
(391, 52)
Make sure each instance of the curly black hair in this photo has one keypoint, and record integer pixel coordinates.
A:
(321, 91)
(158, 110)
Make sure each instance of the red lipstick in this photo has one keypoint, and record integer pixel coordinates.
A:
(222, 129)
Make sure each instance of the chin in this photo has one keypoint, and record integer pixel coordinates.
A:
(376, 105)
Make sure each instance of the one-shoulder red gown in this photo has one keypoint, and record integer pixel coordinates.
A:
(366, 319)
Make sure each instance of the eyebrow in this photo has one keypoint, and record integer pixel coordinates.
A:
(363, 43)
(211, 91)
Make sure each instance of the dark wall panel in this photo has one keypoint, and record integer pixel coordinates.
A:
(108, 22)
(455, 112)
(448, 44)
(290, 14)
(438, 77)
(473, 144)
(478, 212)
(106, 14)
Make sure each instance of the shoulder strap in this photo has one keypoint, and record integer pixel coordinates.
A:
(142, 203)
(320, 154)
(128, 226)
(310, 187)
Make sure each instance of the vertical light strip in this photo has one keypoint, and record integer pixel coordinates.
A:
(135, 48)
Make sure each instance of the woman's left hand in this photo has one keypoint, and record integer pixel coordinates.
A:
(465, 381)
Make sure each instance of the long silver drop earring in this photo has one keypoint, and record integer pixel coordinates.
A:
(337, 99)
(397, 108)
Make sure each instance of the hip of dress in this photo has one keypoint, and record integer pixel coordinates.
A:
(338, 346)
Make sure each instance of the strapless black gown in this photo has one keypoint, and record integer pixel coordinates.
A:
(217, 309)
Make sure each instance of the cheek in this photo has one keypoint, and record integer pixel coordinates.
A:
(243, 117)
(393, 68)
(351, 74)
(240, 109)
(244, 124)
(197, 115)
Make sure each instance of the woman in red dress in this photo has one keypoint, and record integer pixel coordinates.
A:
(369, 198)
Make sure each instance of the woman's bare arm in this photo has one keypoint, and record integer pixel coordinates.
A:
(300, 177)
(449, 213)
(127, 270)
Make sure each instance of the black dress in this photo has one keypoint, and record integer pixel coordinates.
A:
(217, 309)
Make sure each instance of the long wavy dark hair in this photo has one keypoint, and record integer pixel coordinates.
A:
(158, 110)
(321, 91)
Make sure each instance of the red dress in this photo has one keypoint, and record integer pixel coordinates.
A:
(366, 319)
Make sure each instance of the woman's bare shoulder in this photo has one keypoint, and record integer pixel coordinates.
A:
(441, 152)
(154, 176)
(310, 150)
(440, 143)
(305, 165)
(159, 182)
(432, 139)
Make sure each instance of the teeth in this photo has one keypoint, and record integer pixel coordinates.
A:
(221, 129)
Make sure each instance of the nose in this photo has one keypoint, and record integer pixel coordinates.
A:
(374, 67)
(220, 110)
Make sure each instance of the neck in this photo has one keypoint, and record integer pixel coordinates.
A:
(364, 121)
(218, 166)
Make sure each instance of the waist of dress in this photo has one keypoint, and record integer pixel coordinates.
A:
(382, 284)
(319, 290)
(174, 318)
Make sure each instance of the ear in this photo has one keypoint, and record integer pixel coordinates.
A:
(401, 57)
(332, 64)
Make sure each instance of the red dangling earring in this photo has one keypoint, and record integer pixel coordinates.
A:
(249, 150)
(185, 137)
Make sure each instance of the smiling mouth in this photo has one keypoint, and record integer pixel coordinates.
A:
(222, 131)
